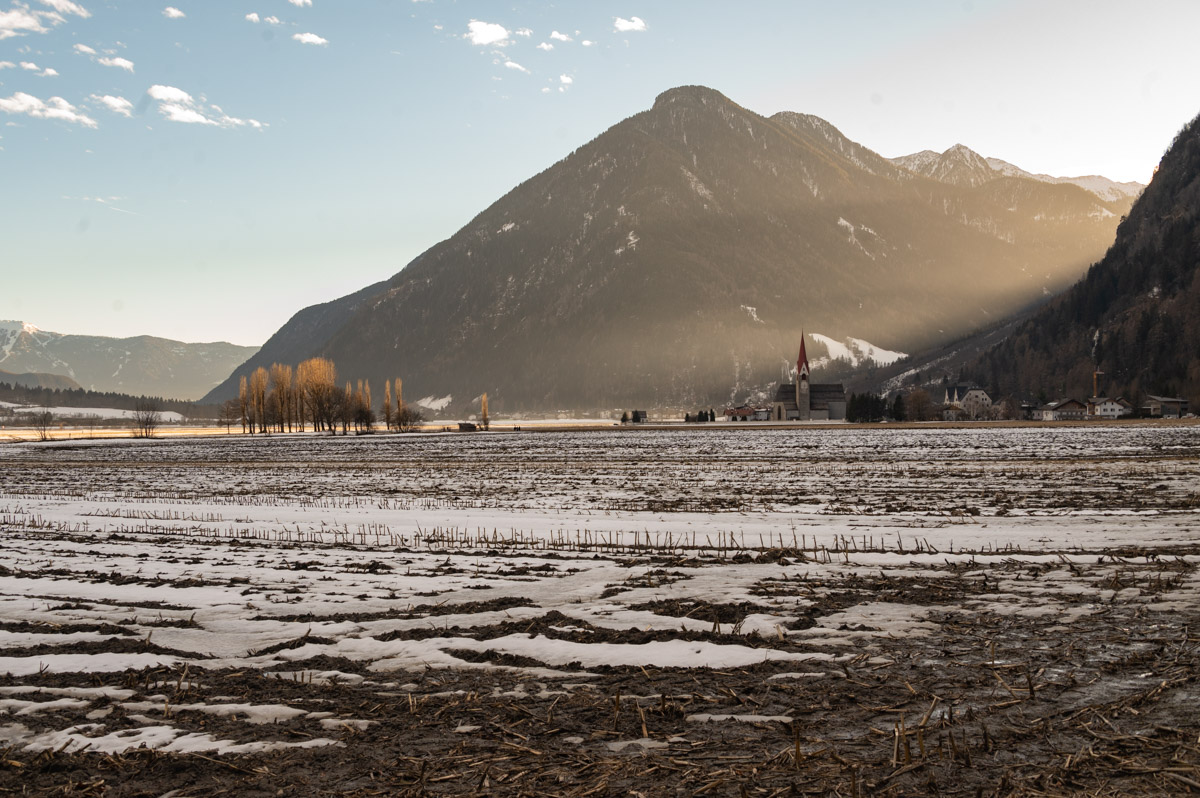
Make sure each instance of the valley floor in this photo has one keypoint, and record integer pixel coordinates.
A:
(844, 611)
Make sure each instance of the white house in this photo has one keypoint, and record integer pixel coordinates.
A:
(1103, 407)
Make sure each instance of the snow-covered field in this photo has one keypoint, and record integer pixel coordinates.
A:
(267, 596)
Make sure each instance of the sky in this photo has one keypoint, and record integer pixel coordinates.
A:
(203, 170)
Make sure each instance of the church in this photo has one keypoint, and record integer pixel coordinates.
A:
(804, 400)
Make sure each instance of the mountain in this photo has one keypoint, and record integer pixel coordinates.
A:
(962, 166)
(32, 380)
(959, 166)
(140, 366)
(675, 259)
(1135, 316)
(1100, 186)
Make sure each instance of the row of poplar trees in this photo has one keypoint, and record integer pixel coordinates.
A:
(284, 399)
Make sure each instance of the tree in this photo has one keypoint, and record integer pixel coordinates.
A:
(280, 397)
(146, 418)
(483, 411)
(258, 399)
(229, 412)
(920, 406)
(244, 404)
(899, 411)
(317, 381)
(388, 415)
(408, 419)
(43, 420)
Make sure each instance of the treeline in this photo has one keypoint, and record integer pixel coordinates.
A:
(283, 399)
(79, 397)
(1135, 317)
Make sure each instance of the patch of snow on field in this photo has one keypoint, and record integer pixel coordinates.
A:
(106, 413)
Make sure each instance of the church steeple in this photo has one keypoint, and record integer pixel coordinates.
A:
(803, 403)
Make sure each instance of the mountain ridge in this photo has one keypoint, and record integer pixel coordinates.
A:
(619, 275)
(139, 365)
(960, 165)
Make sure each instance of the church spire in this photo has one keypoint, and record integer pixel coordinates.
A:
(802, 361)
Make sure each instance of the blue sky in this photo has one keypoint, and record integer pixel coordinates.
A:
(203, 170)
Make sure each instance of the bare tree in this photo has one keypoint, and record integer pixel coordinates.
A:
(43, 420)
(408, 419)
(229, 413)
(146, 418)
(258, 398)
(387, 405)
(920, 406)
(244, 404)
(317, 380)
(280, 396)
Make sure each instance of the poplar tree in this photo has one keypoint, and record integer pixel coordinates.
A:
(387, 405)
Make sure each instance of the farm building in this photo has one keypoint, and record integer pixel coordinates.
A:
(1165, 407)
(1064, 410)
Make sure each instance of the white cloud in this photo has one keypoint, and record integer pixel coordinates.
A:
(116, 61)
(526, 32)
(516, 66)
(252, 17)
(29, 66)
(171, 12)
(484, 33)
(309, 38)
(545, 90)
(83, 48)
(301, 3)
(273, 21)
(54, 108)
(547, 46)
(566, 79)
(179, 106)
(67, 7)
(118, 105)
(631, 25)
(7, 65)
(20, 20)
(587, 43)
(560, 37)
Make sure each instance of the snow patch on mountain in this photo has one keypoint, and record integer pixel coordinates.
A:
(855, 350)
(434, 403)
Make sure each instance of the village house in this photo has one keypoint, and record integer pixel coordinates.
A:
(807, 401)
(1064, 410)
(970, 401)
(1103, 407)
(1165, 407)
